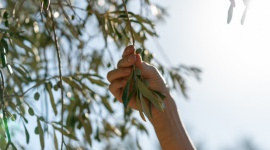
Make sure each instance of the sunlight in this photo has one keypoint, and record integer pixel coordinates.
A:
(259, 12)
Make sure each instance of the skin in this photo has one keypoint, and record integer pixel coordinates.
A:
(168, 126)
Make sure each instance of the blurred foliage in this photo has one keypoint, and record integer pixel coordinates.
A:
(230, 11)
(49, 48)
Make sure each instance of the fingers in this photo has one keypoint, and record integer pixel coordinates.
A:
(128, 50)
(118, 73)
(116, 87)
(127, 61)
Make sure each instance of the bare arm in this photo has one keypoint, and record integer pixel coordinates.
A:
(170, 129)
(168, 126)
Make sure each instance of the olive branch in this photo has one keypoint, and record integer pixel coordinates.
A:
(138, 87)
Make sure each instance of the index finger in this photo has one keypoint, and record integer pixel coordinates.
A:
(128, 50)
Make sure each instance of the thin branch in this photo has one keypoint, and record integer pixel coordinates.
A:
(111, 56)
(60, 74)
(36, 85)
(129, 24)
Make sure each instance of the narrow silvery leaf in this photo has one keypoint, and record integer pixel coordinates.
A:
(26, 134)
(41, 136)
(230, 14)
(125, 94)
(148, 94)
(145, 108)
(139, 106)
(244, 16)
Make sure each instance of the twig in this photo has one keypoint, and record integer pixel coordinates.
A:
(129, 24)
(36, 85)
(60, 74)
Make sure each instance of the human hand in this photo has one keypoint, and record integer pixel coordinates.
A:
(118, 77)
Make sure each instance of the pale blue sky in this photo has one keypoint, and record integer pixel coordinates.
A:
(233, 100)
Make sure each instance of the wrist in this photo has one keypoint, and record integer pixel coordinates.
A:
(170, 129)
(169, 109)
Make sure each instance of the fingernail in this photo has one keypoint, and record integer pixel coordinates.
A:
(130, 58)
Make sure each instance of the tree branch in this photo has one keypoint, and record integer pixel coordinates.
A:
(129, 24)
(60, 73)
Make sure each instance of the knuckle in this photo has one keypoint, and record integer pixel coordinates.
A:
(109, 74)
(110, 87)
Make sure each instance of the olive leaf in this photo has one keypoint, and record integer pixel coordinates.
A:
(149, 95)
(125, 96)
(139, 107)
(142, 94)
(144, 107)
(40, 132)
(55, 140)
(26, 134)
(48, 87)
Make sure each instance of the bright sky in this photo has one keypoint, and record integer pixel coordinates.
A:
(233, 100)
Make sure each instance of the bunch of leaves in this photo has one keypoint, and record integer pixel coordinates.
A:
(137, 87)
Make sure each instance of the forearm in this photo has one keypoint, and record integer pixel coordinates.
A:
(169, 128)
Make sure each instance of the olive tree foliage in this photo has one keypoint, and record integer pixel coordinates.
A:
(231, 8)
(55, 56)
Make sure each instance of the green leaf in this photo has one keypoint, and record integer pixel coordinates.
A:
(46, 4)
(159, 94)
(26, 134)
(36, 130)
(65, 133)
(55, 140)
(139, 106)
(41, 118)
(10, 115)
(49, 90)
(131, 94)
(4, 59)
(139, 50)
(126, 91)
(40, 132)
(107, 104)
(22, 71)
(145, 108)
(97, 81)
(22, 45)
(181, 84)
(31, 111)
(9, 69)
(88, 130)
(137, 71)
(36, 96)
(148, 94)
(72, 83)
(4, 46)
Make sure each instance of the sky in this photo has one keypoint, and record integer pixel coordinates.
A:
(231, 102)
